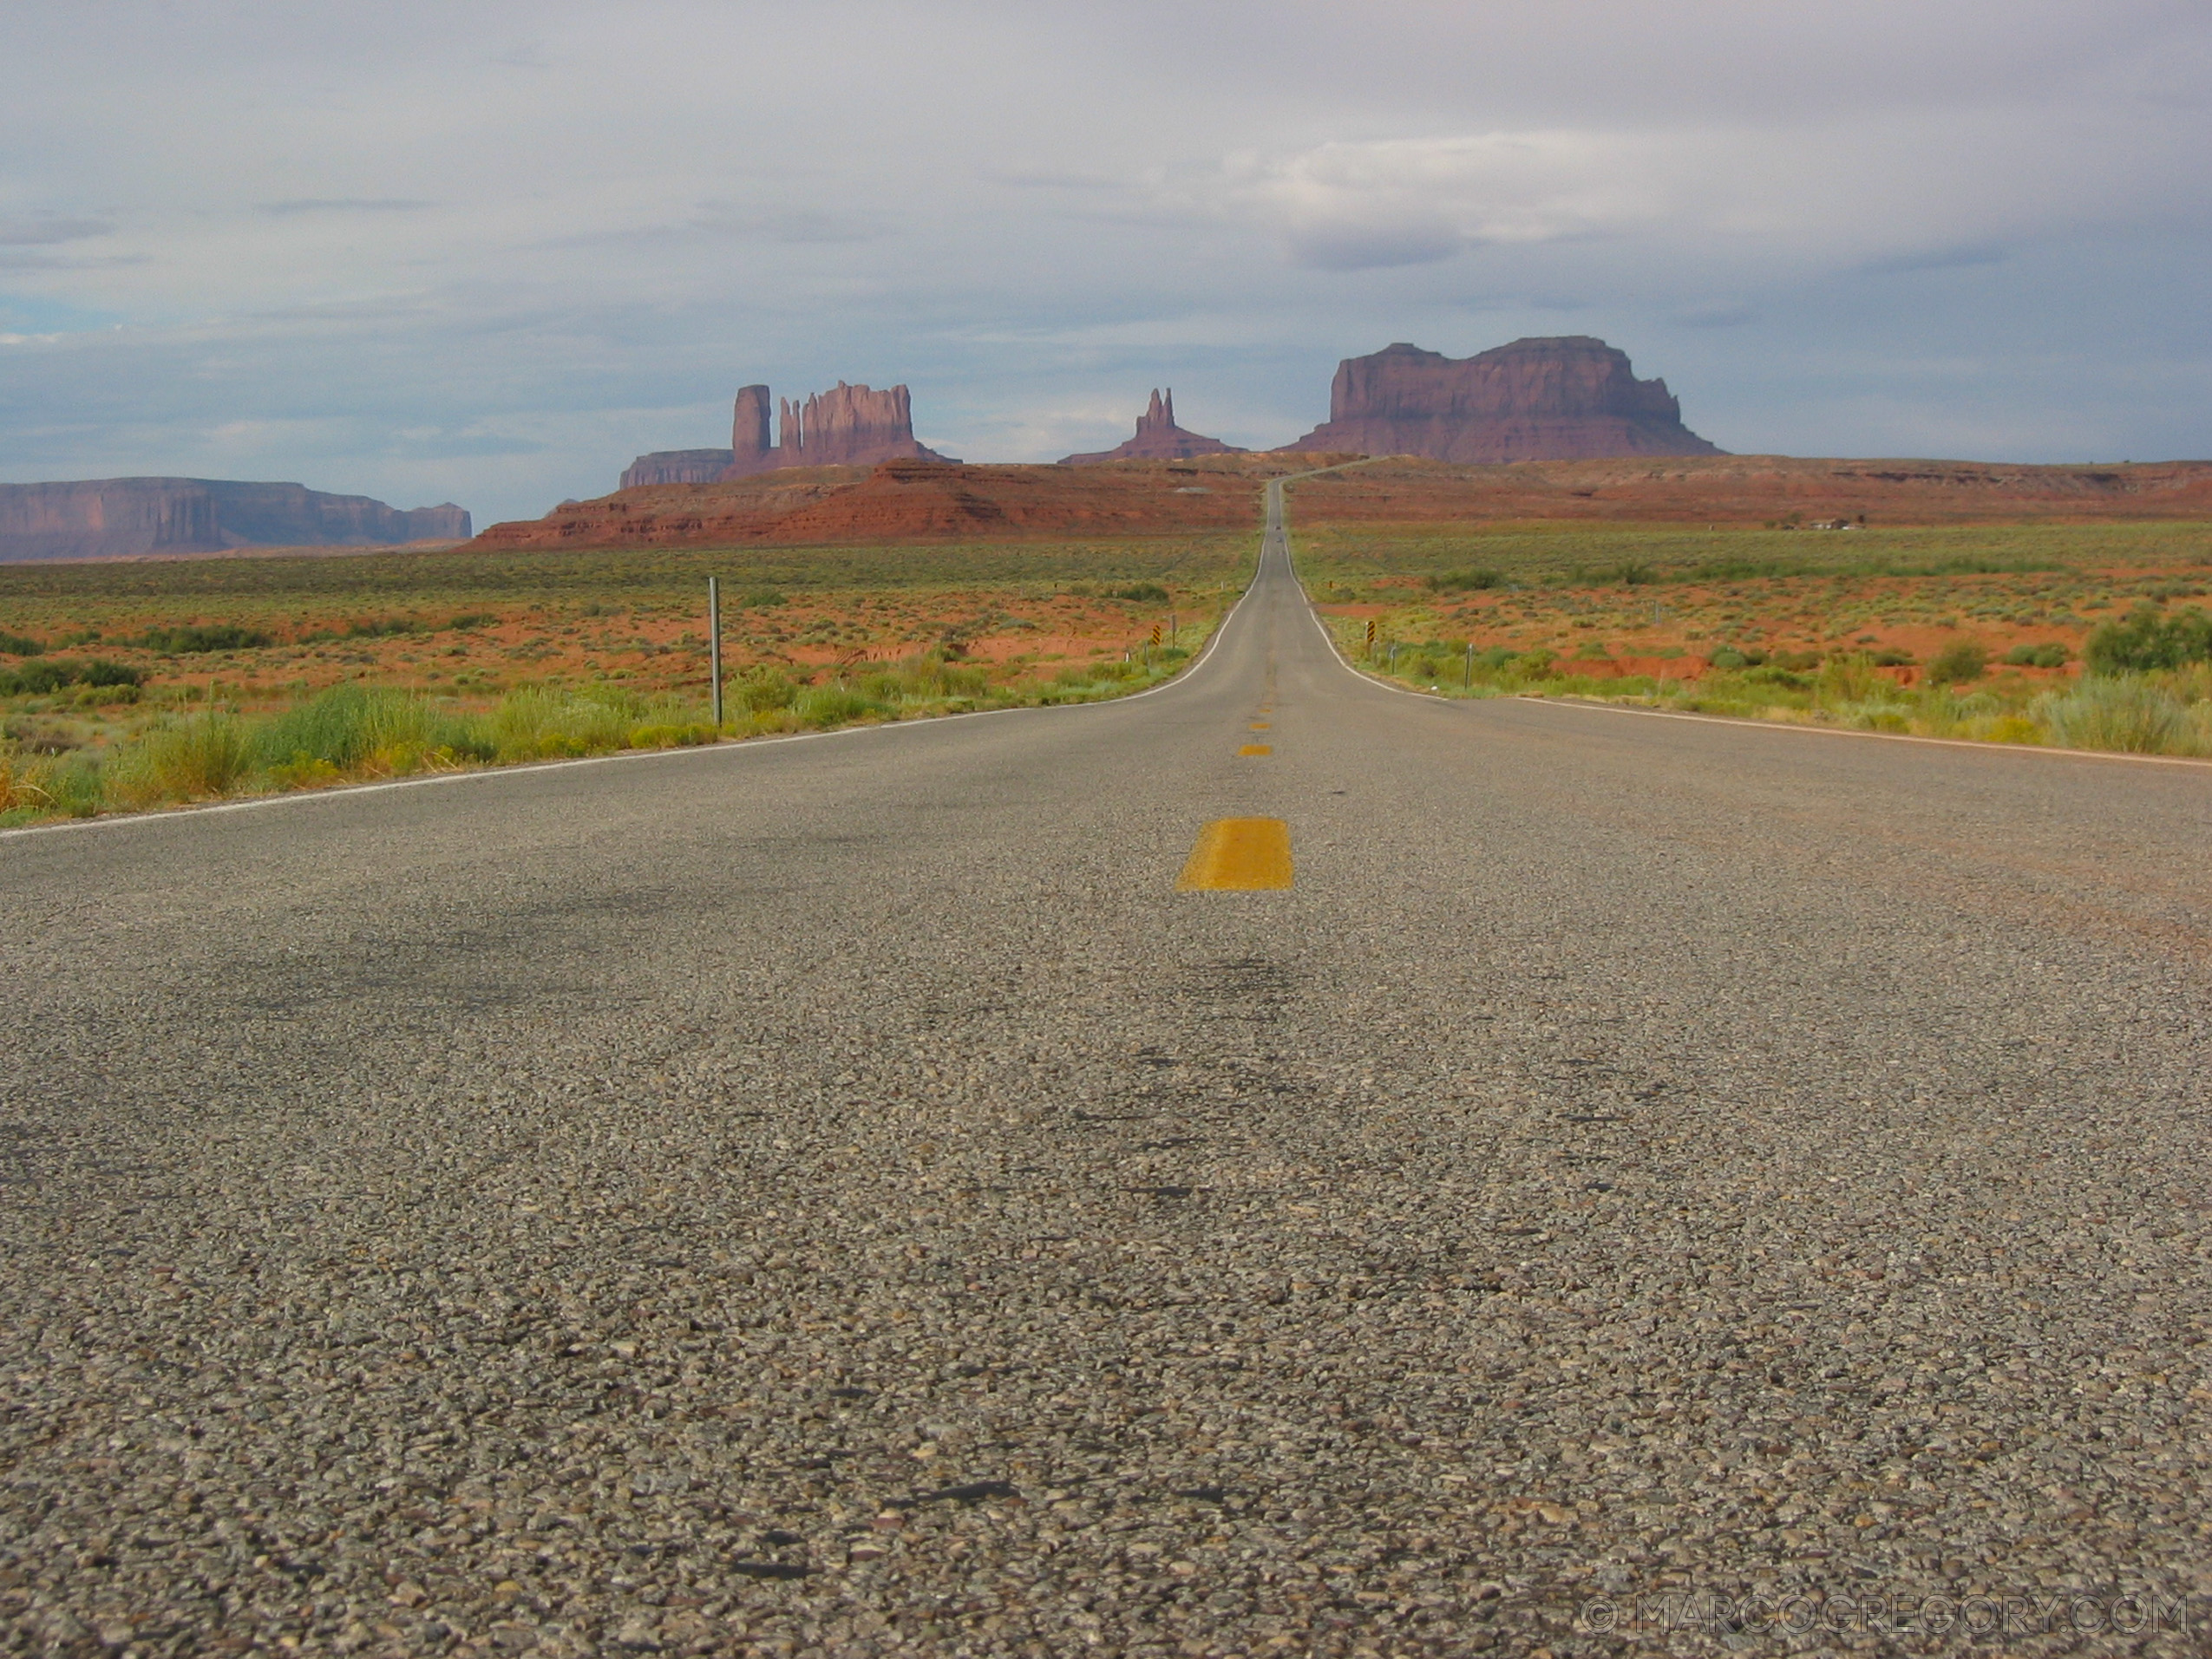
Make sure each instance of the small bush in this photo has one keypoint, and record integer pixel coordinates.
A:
(2052, 655)
(48, 674)
(1852, 677)
(761, 689)
(1142, 593)
(468, 619)
(2148, 639)
(762, 599)
(1464, 581)
(17, 645)
(196, 639)
(1731, 659)
(34, 680)
(2120, 712)
(1775, 675)
(1892, 659)
(1958, 663)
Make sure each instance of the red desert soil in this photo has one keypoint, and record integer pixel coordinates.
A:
(917, 500)
(1737, 490)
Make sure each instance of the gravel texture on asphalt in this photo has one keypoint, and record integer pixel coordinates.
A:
(1649, 1187)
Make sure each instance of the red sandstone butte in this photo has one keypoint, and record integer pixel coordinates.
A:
(1569, 398)
(1158, 438)
(848, 426)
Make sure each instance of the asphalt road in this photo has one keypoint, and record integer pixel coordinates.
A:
(837, 1196)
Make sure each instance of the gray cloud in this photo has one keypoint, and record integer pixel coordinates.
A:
(1936, 259)
(341, 205)
(45, 230)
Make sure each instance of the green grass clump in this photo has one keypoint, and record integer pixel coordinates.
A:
(200, 757)
(356, 727)
(2127, 712)
(545, 723)
(20, 645)
(823, 706)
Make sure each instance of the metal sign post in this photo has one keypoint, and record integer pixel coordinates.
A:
(714, 643)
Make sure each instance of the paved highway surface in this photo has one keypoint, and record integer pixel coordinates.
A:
(838, 1196)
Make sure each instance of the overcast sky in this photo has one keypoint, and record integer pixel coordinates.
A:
(488, 252)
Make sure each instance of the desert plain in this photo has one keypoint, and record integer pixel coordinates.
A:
(1945, 599)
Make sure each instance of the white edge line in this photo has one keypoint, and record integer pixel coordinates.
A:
(302, 797)
(1741, 723)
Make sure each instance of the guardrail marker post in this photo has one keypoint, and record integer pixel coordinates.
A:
(1469, 680)
(713, 644)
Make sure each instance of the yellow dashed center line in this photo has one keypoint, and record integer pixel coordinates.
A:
(1239, 855)
(1256, 749)
(1258, 725)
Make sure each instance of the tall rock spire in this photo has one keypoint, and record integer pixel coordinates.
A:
(1158, 438)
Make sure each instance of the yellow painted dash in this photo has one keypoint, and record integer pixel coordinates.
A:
(1258, 725)
(1257, 748)
(1239, 855)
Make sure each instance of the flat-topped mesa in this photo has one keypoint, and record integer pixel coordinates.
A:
(678, 466)
(848, 426)
(113, 517)
(1570, 397)
(1158, 438)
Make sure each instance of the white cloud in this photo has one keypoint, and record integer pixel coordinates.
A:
(1347, 207)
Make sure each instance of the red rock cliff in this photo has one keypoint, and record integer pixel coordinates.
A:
(1158, 438)
(124, 517)
(1568, 398)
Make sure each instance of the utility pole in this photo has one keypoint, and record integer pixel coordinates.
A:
(714, 645)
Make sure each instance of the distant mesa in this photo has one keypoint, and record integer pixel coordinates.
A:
(1571, 397)
(848, 426)
(1158, 438)
(126, 518)
(675, 466)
